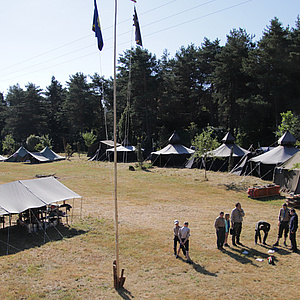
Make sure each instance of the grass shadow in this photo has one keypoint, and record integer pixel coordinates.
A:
(125, 294)
(16, 239)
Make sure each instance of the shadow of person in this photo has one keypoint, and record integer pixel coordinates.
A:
(198, 268)
(237, 254)
(125, 294)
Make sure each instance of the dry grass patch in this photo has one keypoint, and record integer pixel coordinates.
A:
(80, 265)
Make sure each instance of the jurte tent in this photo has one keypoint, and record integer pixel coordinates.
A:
(263, 165)
(218, 159)
(173, 155)
(287, 175)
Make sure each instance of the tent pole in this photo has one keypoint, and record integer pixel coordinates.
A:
(8, 234)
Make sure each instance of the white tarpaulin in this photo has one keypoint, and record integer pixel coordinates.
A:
(18, 196)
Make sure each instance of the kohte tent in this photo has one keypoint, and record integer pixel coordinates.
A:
(287, 175)
(173, 155)
(23, 155)
(263, 165)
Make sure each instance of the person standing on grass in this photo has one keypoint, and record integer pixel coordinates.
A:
(293, 229)
(237, 215)
(283, 223)
(227, 228)
(220, 230)
(184, 234)
(176, 237)
(265, 227)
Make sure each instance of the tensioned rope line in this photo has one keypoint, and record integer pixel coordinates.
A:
(82, 38)
(108, 48)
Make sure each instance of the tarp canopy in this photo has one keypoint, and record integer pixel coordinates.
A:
(18, 196)
(124, 154)
(2, 158)
(287, 175)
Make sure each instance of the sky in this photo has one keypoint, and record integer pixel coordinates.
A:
(45, 38)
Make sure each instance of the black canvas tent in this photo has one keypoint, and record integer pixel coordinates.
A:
(173, 155)
(100, 154)
(263, 165)
(287, 175)
(218, 159)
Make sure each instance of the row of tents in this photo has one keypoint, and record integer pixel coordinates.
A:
(23, 155)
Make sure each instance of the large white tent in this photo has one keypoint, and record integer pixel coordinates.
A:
(18, 196)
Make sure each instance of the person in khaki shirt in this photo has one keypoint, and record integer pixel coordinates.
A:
(237, 215)
(220, 230)
(283, 224)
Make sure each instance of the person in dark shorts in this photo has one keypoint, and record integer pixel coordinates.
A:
(176, 237)
(265, 227)
(184, 234)
(283, 224)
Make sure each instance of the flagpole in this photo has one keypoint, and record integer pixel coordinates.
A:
(117, 277)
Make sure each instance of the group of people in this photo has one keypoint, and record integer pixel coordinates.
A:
(226, 224)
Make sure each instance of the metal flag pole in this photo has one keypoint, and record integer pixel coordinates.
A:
(118, 281)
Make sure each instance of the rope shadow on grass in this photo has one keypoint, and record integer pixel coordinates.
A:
(20, 240)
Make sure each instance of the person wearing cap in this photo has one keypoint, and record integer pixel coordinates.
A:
(176, 237)
(237, 215)
(283, 224)
(220, 230)
(265, 227)
(293, 228)
(184, 234)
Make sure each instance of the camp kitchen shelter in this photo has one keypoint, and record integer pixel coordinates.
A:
(18, 196)
(173, 155)
(287, 175)
(264, 165)
(23, 155)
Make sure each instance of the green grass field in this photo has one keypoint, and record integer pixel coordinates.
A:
(80, 265)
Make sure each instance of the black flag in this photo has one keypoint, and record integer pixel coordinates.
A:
(138, 37)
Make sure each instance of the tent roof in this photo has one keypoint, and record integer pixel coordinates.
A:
(15, 198)
(225, 150)
(123, 149)
(2, 158)
(18, 196)
(51, 155)
(287, 139)
(109, 143)
(275, 156)
(228, 139)
(174, 139)
(289, 164)
(174, 149)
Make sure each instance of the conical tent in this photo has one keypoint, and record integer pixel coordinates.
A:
(263, 165)
(173, 155)
(218, 159)
(287, 175)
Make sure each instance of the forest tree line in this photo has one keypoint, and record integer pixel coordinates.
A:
(242, 87)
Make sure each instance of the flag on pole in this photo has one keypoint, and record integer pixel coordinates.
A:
(133, 1)
(96, 27)
(138, 37)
